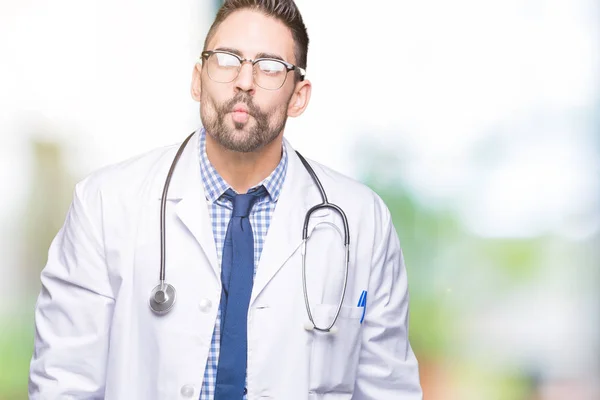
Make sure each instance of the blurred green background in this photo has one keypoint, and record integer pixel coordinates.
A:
(480, 130)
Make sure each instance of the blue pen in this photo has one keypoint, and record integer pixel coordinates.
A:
(362, 302)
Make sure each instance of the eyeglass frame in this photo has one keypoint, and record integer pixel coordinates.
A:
(290, 67)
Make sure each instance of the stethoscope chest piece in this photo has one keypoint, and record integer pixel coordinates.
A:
(162, 298)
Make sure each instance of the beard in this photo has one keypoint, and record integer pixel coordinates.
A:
(267, 127)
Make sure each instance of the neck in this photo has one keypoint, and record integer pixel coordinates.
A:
(244, 170)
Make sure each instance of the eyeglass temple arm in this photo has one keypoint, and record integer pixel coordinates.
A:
(302, 72)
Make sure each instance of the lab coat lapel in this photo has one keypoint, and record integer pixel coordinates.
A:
(285, 231)
(186, 189)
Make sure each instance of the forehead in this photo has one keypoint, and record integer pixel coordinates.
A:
(252, 33)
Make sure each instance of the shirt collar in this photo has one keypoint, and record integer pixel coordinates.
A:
(215, 185)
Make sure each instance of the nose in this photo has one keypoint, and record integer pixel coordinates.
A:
(245, 79)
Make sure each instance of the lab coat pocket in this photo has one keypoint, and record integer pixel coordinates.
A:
(334, 356)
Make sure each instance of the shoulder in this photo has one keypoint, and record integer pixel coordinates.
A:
(350, 191)
(128, 176)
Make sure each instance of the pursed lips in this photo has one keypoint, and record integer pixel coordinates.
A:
(240, 113)
(240, 108)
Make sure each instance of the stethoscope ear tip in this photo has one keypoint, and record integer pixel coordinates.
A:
(333, 330)
(309, 326)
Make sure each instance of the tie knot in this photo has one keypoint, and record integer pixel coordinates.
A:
(242, 203)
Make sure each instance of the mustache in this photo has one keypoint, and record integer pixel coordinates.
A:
(243, 98)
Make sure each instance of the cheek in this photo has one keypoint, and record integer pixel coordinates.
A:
(208, 102)
(210, 94)
(278, 104)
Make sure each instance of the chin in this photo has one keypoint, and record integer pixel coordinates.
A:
(239, 126)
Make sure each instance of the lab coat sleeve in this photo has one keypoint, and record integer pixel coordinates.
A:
(388, 369)
(74, 308)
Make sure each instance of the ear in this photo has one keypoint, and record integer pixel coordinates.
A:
(196, 89)
(300, 98)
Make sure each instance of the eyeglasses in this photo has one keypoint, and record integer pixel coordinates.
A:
(268, 73)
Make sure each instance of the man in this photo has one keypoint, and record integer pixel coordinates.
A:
(245, 310)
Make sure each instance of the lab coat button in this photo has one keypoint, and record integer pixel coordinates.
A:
(205, 305)
(187, 390)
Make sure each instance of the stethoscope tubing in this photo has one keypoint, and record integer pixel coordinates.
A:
(163, 208)
(324, 205)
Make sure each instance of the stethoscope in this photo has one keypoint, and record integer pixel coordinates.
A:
(162, 297)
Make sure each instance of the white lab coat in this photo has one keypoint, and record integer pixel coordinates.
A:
(97, 338)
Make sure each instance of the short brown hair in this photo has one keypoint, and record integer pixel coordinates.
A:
(285, 11)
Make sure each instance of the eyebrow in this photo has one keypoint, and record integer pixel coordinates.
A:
(259, 55)
(270, 55)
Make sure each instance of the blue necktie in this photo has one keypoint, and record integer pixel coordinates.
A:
(237, 275)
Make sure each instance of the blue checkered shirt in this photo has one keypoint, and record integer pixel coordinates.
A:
(220, 212)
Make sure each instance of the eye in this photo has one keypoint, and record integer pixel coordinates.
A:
(226, 60)
(271, 67)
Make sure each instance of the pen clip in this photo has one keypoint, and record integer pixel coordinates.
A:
(362, 302)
